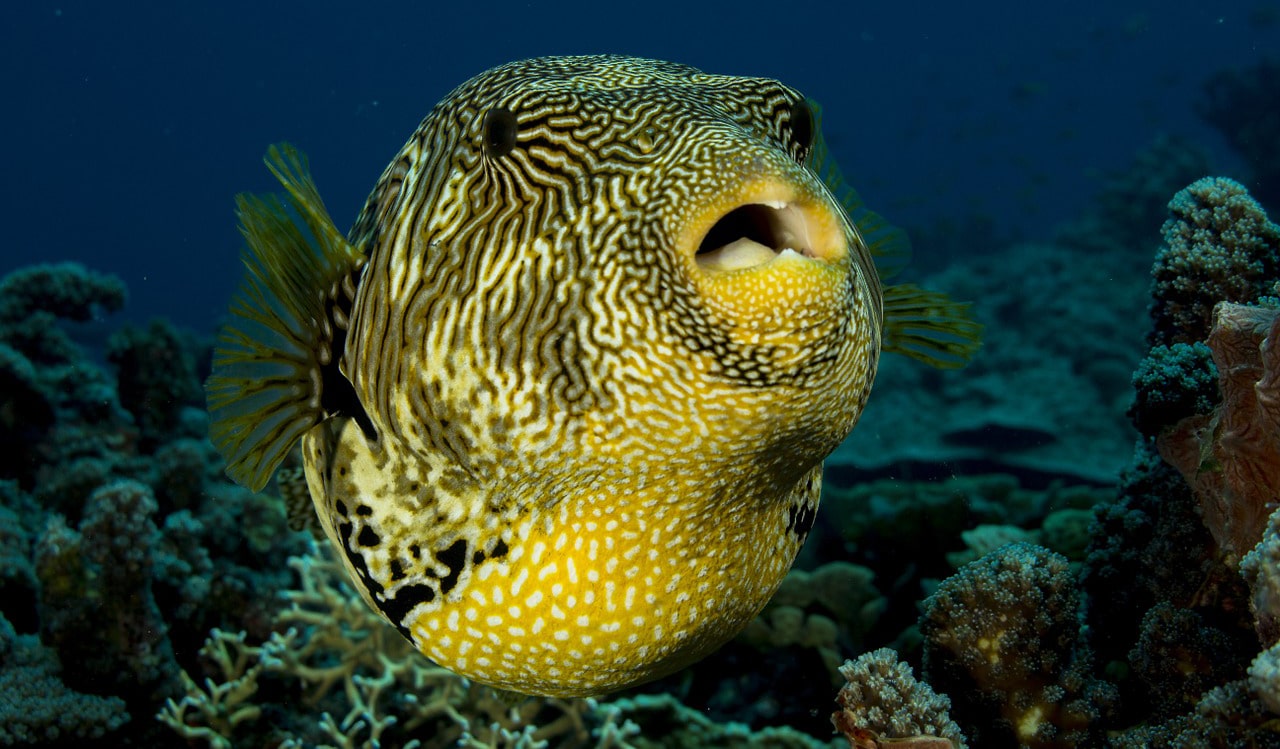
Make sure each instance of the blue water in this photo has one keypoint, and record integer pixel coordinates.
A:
(129, 127)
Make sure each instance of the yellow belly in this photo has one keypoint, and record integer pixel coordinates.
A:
(604, 590)
(607, 599)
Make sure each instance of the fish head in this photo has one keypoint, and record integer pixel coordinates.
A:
(611, 243)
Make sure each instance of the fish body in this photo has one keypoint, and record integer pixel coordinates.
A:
(564, 391)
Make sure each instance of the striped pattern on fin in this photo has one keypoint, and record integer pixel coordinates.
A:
(929, 326)
(268, 367)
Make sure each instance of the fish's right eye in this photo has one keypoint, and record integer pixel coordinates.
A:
(499, 132)
(803, 128)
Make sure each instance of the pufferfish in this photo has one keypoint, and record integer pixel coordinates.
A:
(564, 391)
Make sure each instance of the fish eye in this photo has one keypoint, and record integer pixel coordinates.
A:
(802, 128)
(499, 132)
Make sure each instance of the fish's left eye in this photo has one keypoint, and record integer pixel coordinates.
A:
(802, 128)
(499, 132)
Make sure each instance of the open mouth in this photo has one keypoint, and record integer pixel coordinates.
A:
(754, 234)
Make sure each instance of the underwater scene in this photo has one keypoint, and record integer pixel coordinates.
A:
(599, 376)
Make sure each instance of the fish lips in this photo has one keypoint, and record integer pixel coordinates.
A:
(768, 250)
(765, 222)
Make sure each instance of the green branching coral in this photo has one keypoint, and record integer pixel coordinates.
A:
(1219, 246)
(364, 683)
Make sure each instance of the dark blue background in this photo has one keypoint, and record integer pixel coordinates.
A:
(128, 128)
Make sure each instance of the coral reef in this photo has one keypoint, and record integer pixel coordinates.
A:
(136, 580)
(1261, 570)
(368, 687)
(102, 573)
(1231, 457)
(881, 699)
(367, 684)
(1001, 639)
(121, 546)
(157, 377)
(830, 609)
(36, 707)
(137, 583)
(1219, 247)
(1042, 399)
(1167, 611)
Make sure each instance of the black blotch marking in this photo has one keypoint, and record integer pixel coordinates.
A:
(357, 562)
(338, 397)
(367, 537)
(397, 570)
(397, 608)
(477, 557)
(500, 549)
(415, 551)
(800, 520)
(364, 511)
(341, 507)
(455, 558)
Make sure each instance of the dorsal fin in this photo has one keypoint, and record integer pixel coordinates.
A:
(275, 355)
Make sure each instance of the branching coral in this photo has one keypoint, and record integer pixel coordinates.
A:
(366, 684)
(881, 699)
(1231, 458)
(211, 711)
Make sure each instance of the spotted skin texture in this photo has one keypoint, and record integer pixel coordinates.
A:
(592, 460)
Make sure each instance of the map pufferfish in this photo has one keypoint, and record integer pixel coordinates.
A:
(564, 391)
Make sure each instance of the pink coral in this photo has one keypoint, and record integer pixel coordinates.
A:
(1231, 458)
